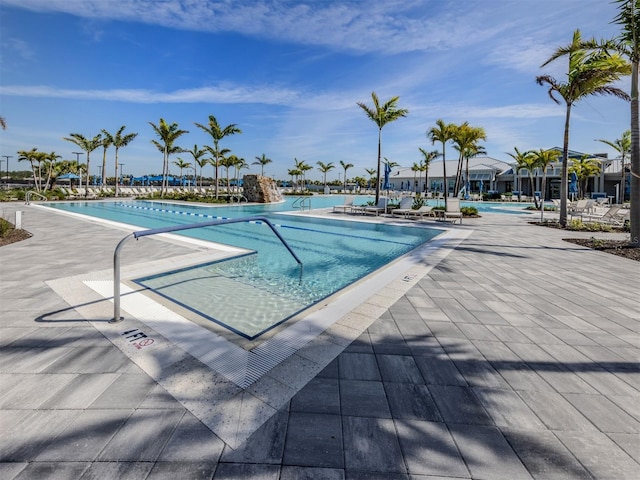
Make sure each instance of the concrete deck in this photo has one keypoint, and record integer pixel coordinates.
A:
(515, 355)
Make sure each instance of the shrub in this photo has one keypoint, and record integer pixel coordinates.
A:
(469, 211)
(417, 202)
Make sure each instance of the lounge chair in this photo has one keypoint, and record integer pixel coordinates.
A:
(404, 208)
(613, 216)
(380, 207)
(347, 205)
(581, 207)
(423, 211)
(453, 210)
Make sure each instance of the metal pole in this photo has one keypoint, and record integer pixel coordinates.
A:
(7, 157)
(116, 280)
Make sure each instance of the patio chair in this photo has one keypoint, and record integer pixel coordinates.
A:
(453, 210)
(347, 205)
(613, 216)
(404, 207)
(380, 207)
(420, 213)
(580, 208)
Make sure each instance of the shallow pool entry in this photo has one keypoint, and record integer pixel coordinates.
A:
(237, 293)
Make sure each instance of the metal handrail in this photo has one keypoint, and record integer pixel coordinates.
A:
(301, 202)
(154, 231)
(238, 196)
(27, 196)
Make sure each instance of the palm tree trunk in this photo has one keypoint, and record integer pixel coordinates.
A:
(635, 159)
(116, 174)
(86, 188)
(533, 189)
(377, 174)
(444, 173)
(564, 178)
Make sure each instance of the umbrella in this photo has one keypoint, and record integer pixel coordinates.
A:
(68, 176)
(387, 171)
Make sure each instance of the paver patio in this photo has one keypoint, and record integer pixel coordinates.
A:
(516, 356)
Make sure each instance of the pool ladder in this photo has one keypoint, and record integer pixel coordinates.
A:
(30, 193)
(302, 203)
(154, 231)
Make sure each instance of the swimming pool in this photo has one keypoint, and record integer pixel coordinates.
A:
(262, 287)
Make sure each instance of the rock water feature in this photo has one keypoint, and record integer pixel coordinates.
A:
(259, 189)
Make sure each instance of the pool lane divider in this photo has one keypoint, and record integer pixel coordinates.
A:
(255, 222)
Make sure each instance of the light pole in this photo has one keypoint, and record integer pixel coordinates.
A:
(7, 157)
(100, 174)
(121, 173)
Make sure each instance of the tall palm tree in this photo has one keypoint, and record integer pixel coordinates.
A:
(525, 161)
(623, 147)
(118, 141)
(347, 166)
(168, 134)
(442, 132)
(585, 167)
(325, 168)
(217, 133)
(542, 160)
(107, 141)
(293, 173)
(198, 159)
(427, 158)
(590, 73)
(262, 161)
(88, 145)
(382, 115)
(629, 45)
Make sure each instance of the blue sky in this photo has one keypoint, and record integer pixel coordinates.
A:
(289, 74)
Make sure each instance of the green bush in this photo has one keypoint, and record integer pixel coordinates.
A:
(579, 225)
(417, 202)
(469, 211)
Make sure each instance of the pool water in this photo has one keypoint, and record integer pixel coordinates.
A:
(256, 291)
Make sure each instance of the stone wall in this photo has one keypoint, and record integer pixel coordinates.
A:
(259, 189)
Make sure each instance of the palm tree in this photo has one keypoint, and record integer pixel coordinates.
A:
(623, 147)
(442, 132)
(197, 155)
(525, 161)
(381, 115)
(51, 161)
(168, 134)
(347, 166)
(427, 158)
(181, 164)
(466, 140)
(303, 167)
(3, 123)
(372, 173)
(31, 156)
(293, 173)
(239, 165)
(629, 46)
(585, 167)
(88, 145)
(217, 133)
(262, 161)
(542, 160)
(589, 73)
(107, 141)
(415, 168)
(228, 162)
(118, 141)
(325, 168)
